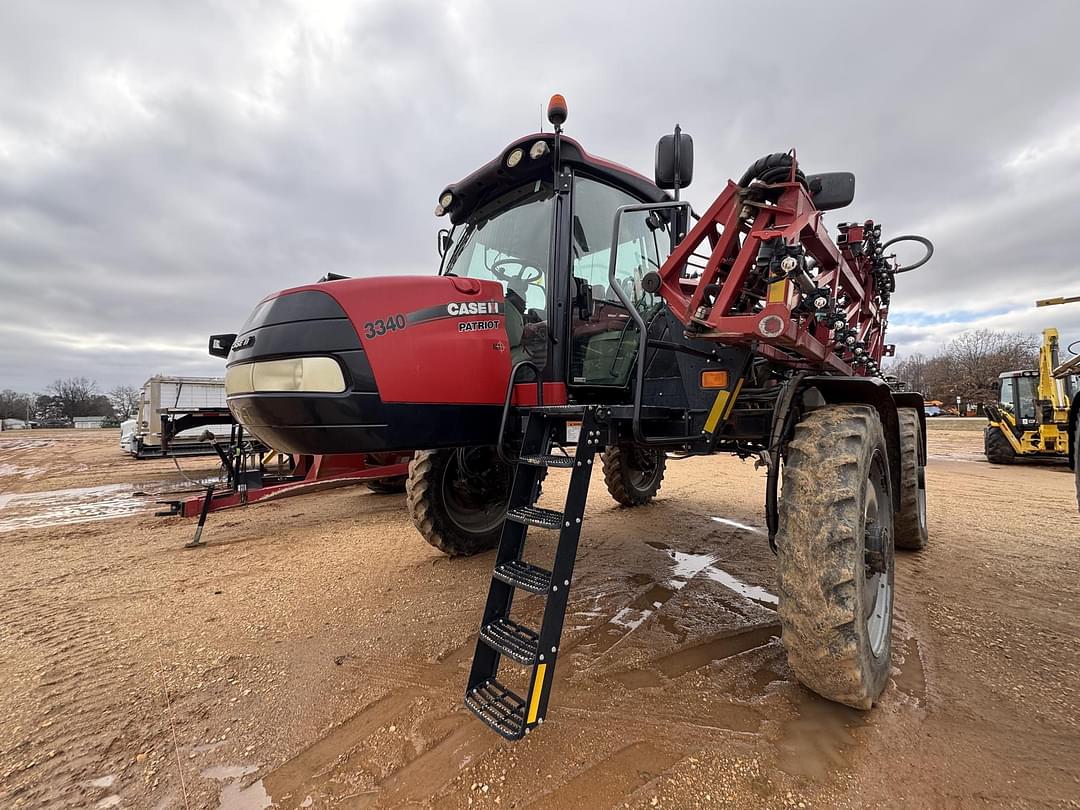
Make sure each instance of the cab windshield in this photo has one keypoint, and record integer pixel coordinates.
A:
(509, 241)
(1018, 394)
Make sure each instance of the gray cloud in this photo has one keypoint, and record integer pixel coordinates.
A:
(162, 167)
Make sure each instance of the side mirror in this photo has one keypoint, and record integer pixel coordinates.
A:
(444, 242)
(220, 345)
(831, 190)
(675, 160)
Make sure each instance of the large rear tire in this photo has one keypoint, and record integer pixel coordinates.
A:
(458, 506)
(835, 552)
(997, 447)
(910, 520)
(633, 475)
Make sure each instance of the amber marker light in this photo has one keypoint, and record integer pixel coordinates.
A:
(714, 379)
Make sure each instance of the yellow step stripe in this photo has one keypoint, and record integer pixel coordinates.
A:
(538, 686)
(722, 405)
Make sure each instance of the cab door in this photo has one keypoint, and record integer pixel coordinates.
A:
(603, 336)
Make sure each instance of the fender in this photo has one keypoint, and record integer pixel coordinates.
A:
(875, 392)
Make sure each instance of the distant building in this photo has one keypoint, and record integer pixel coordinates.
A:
(89, 421)
(13, 424)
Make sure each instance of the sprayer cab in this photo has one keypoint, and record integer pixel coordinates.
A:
(397, 363)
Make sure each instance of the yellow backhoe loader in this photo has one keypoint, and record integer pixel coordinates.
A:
(1031, 417)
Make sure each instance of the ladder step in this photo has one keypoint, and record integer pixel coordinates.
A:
(512, 640)
(502, 710)
(536, 516)
(523, 575)
(547, 460)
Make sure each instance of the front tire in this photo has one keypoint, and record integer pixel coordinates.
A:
(910, 521)
(633, 475)
(997, 447)
(835, 553)
(457, 498)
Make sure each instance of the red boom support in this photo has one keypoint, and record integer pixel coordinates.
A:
(759, 267)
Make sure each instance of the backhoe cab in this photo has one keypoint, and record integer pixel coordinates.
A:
(574, 290)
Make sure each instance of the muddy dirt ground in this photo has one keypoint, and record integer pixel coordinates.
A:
(314, 653)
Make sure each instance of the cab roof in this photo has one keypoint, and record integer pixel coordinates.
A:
(495, 177)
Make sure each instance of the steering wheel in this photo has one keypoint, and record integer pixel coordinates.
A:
(523, 274)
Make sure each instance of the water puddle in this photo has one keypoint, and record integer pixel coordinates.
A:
(736, 525)
(754, 593)
(252, 797)
(234, 796)
(64, 507)
(687, 566)
(15, 471)
(688, 659)
(24, 444)
(912, 677)
(820, 739)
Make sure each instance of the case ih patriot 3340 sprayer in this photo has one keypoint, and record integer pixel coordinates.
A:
(573, 289)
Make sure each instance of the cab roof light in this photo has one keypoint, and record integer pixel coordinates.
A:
(445, 202)
(556, 111)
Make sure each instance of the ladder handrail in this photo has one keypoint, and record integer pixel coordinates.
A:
(509, 399)
(643, 327)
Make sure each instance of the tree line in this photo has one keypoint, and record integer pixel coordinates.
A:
(968, 366)
(67, 398)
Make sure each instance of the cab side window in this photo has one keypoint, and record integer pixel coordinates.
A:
(604, 337)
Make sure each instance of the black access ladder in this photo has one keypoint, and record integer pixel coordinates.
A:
(506, 712)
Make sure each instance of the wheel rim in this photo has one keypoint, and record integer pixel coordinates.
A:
(878, 561)
(642, 467)
(468, 507)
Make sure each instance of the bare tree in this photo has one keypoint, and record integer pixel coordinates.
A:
(125, 400)
(968, 366)
(976, 358)
(14, 405)
(912, 370)
(76, 396)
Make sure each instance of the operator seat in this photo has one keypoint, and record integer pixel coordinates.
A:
(527, 333)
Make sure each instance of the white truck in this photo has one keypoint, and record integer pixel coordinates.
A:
(175, 396)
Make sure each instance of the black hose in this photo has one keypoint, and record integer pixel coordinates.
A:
(774, 168)
(922, 240)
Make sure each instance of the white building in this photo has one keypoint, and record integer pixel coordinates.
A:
(88, 421)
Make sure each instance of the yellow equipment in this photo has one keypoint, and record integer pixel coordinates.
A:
(1032, 414)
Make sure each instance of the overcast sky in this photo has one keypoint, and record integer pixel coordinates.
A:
(165, 165)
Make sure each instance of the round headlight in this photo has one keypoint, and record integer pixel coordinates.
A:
(446, 199)
(514, 158)
(539, 149)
